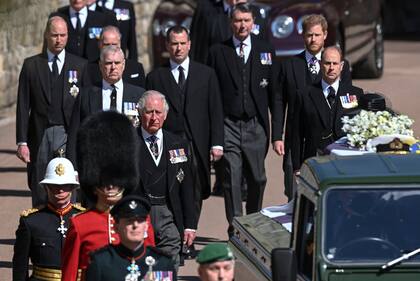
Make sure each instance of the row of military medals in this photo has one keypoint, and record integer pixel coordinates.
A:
(134, 272)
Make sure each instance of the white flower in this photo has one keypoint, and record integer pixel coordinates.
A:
(367, 125)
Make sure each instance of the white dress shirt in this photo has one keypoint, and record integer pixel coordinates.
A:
(326, 86)
(83, 13)
(247, 46)
(92, 7)
(159, 136)
(60, 60)
(174, 68)
(106, 95)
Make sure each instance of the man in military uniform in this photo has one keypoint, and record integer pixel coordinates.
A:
(107, 163)
(41, 232)
(216, 263)
(130, 260)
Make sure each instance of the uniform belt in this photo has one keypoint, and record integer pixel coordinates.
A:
(157, 200)
(47, 274)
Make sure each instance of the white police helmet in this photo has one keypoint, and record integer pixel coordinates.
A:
(60, 171)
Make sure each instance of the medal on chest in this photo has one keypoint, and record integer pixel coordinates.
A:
(134, 272)
(62, 228)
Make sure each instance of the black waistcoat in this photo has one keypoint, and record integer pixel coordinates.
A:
(156, 183)
(76, 41)
(244, 102)
(55, 109)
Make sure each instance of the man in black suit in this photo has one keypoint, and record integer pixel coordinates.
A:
(321, 107)
(126, 17)
(85, 27)
(295, 74)
(196, 112)
(113, 93)
(211, 25)
(166, 178)
(49, 84)
(244, 65)
(133, 71)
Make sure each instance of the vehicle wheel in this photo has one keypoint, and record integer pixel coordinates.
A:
(373, 65)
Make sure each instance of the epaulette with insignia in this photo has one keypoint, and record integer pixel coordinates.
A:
(27, 212)
(79, 207)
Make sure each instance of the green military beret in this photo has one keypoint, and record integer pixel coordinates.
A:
(215, 252)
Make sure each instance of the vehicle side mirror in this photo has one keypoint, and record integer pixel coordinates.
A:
(283, 264)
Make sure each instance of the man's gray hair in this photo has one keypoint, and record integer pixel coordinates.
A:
(142, 101)
(110, 49)
(109, 28)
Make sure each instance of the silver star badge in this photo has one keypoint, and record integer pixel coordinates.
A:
(180, 175)
(263, 83)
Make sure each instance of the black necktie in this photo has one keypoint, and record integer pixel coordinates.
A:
(55, 67)
(181, 77)
(331, 96)
(153, 145)
(113, 105)
(78, 22)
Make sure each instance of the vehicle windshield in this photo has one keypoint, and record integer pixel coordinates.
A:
(371, 225)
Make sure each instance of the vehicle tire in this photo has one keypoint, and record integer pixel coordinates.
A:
(373, 65)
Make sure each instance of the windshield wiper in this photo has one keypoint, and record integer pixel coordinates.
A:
(401, 258)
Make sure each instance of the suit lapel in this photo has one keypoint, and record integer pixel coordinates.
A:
(68, 99)
(190, 86)
(95, 99)
(145, 172)
(171, 88)
(302, 79)
(337, 109)
(44, 72)
(168, 145)
(230, 56)
(318, 99)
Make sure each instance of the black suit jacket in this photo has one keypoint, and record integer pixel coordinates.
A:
(202, 113)
(125, 19)
(294, 76)
(179, 192)
(315, 124)
(211, 25)
(34, 97)
(94, 20)
(127, 26)
(90, 101)
(133, 73)
(223, 59)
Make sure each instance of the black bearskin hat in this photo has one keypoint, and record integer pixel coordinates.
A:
(107, 153)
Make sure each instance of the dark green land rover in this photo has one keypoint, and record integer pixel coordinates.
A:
(355, 218)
